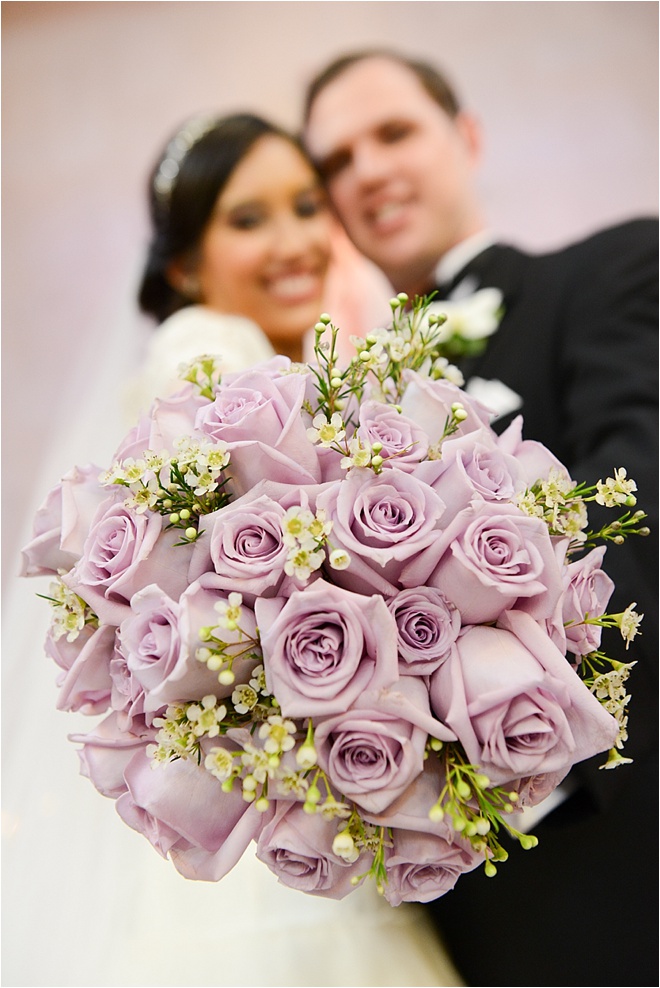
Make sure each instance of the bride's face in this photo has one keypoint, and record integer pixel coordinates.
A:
(265, 250)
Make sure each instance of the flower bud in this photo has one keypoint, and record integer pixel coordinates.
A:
(306, 756)
(436, 813)
(463, 789)
(313, 794)
(343, 845)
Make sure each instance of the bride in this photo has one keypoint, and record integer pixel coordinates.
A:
(245, 253)
(240, 265)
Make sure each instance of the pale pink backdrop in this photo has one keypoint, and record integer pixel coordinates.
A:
(567, 93)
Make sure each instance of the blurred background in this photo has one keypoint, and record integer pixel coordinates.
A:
(567, 94)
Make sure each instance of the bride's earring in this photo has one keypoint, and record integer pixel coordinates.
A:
(190, 287)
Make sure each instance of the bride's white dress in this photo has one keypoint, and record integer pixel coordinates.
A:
(87, 901)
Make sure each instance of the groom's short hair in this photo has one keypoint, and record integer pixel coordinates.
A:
(434, 82)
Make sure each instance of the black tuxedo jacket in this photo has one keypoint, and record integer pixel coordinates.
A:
(579, 343)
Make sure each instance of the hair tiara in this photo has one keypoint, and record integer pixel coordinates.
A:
(175, 152)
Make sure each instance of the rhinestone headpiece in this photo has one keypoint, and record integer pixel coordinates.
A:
(176, 151)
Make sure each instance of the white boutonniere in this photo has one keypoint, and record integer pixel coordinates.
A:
(470, 322)
(495, 395)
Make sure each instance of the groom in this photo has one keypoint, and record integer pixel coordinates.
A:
(576, 354)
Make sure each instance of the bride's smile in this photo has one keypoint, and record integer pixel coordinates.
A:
(266, 248)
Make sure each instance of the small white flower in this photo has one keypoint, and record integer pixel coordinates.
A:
(257, 761)
(112, 476)
(296, 525)
(327, 433)
(277, 733)
(475, 317)
(320, 526)
(258, 681)
(629, 623)
(302, 563)
(442, 368)
(143, 497)
(206, 716)
(219, 763)
(331, 809)
(359, 454)
(292, 783)
(202, 483)
(229, 611)
(398, 349)
(134, 469)
(244, 698)
(616, 490)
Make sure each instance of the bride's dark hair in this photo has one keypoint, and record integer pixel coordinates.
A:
(184, 185)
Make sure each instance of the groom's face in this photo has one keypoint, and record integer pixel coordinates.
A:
(398, 168)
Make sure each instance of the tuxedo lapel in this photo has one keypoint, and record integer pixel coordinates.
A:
(501, 267)
(497, 266)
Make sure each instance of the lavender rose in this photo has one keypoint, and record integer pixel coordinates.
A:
(127, 695)
(243, 547)
(107, 750)
(259, 417)
(429, 404)
(184, 812)
(297, 847)
(587, 592)
(535, 460)
(62, 523)
(160, 640)
(124, 552)
(384, 522)
(428, 625)
(86, 683)
(422, 867)
(169, 419)
(323, 647)
(515, 703)
(370, 754)
(402, 441)
(493, 557)
(474, 466)
(533, 789)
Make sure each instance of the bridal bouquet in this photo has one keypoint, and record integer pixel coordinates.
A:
(329, 610)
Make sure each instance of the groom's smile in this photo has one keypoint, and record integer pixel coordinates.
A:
(399, 169)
